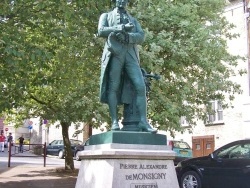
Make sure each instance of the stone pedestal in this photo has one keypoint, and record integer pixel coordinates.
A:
(127, 166)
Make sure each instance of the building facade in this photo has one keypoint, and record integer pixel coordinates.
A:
(233, 123)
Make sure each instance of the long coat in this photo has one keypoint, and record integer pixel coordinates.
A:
(108, 24)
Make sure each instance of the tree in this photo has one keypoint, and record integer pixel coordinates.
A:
(186, 43)
(50, 60)
(49, 63)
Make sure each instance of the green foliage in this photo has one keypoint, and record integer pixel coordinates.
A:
(186, 45)
(49, 63)
(50, 59)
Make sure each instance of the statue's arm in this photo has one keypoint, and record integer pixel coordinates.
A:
(104, 29)
(138, 36)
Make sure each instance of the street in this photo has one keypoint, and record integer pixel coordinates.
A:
(29, 158)
(27, 171)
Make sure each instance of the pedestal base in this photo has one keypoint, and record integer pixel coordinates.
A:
(128, 137)
(127, 166)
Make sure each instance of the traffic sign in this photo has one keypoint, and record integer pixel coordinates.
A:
(6, 129)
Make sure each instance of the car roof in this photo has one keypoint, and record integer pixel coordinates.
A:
(71, 140)
(231, 143)
(176, 141)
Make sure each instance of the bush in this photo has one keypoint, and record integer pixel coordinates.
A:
(26, 141)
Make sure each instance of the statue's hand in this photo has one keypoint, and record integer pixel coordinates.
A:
(122, 37)
(129, 26)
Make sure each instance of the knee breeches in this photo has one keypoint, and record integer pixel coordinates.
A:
(117, 66)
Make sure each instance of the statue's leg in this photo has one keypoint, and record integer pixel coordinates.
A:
(115, 68)
(135, 74)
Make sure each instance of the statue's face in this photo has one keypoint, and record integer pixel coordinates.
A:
(121, 3)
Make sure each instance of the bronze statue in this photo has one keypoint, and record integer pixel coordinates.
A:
(120, 68)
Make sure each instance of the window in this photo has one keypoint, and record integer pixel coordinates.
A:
(181, 145)
(183, 121)
(216, 113)
(76, 142)
(198, 146)
(239, 151)
(60, 142)
(208, 146)
(55, 142)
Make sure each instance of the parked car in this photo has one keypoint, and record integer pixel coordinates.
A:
(56, 148)
(77, 149)
(228, 166)
(182, 149)
(80, 148)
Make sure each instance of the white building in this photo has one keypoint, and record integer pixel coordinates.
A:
(232, 123)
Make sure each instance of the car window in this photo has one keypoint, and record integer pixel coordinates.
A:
(245, 151)
(54, 142)
(86, 143)
(239, 151)
(60, 142)
(181, 145)
(75, 142)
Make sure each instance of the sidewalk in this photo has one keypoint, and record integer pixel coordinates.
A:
(34, 176)
(27, 171)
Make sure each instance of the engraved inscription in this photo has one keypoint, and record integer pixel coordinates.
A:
(144, 172)
(142, 166)
(153, 166)
(144, 185)
(128, 166)
(146, 176)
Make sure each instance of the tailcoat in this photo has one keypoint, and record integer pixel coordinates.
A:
(109, 24)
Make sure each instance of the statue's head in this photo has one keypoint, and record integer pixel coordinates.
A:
(120, 3)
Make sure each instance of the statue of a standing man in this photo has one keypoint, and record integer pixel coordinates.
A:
(120, 64)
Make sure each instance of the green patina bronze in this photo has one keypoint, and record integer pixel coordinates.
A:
(127, 137)
(122, 80)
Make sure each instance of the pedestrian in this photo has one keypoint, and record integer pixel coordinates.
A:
(21, 139)
(120, 64)
(2, 140)
(10, 140)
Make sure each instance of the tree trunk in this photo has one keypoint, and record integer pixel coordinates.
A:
(87, 131)
(69, 163)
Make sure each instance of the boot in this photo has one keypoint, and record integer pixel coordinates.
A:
(145, 127)
(115, 126)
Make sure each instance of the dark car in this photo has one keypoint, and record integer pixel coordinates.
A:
(77, 149)
(182, 149)
(56, 148)
(226, 167)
